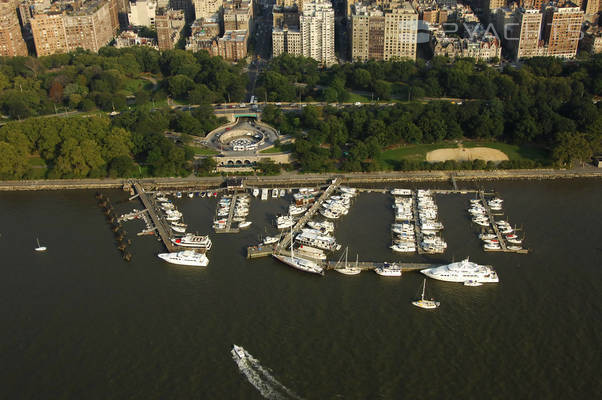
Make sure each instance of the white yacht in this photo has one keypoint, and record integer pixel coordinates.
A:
(179, 229)
(300, 263)
(271, 239)
(404, 248)
(284, 222)
(255, 192)
(196, 241)
(274, 193)
(311, 252)
(318, 240)
(244, 224)
(401, 192)
(295, 210)
(326, 226)
(462, 271)
(282, 192)
(388, 269)
(264, 194)
(186, 257)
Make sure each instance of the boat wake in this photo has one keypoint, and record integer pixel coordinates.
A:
(261, 378)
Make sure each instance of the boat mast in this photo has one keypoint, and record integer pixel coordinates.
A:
(346, 251)
(292, 252)
(423, 287)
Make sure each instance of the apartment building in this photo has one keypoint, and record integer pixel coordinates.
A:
(12, 43)
(317, 31)
(562, 31)
(142, 13)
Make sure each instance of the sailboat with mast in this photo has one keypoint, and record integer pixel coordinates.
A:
(39, 248)
(348, 269)
(300, 263)
(422, 303)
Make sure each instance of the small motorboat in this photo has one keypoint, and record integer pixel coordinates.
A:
(191, 195)
(179, 195)
(270, 239)
(472, 282)
(244, 224)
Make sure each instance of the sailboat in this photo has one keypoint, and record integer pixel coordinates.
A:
(422, 303)
(347, 269)
(299, 262)
(39, 248)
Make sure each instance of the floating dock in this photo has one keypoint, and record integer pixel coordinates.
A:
(370, 265)
(158, 221)
(261, 250)
(228, 228)
(499, 235)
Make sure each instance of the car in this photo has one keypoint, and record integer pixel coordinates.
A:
(357, 103)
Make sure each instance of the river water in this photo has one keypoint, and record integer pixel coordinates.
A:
(78, 322)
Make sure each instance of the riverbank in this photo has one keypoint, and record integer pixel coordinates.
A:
(304, 179)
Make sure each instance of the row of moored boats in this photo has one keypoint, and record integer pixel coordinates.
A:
(481, 217)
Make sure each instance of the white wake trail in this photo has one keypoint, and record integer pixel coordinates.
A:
(267, 385)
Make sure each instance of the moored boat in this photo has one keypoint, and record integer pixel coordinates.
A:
(186, 257)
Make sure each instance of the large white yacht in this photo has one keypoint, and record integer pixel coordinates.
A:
(190, 240)
(462, 271)
(186, 257)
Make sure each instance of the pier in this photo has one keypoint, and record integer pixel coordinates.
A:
(159, 223)
(228, 228)
(371, 265)
(417, 228)
(496, 230)
(286, 241)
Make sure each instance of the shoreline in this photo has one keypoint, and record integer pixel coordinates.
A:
(303, 179)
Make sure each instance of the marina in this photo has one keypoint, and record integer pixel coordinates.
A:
(160, 224)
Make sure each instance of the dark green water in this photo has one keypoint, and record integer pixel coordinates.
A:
(78, 322)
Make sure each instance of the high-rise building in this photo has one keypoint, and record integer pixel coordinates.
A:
(562, 31)
(317, 31)
(491, 5)
(401, 33)
(90, 26)
(525, 38)
(206, 8)
(169, 24)
(592, 7)
(142, 13)
(11, 40)
(286, 40)
(367, 34)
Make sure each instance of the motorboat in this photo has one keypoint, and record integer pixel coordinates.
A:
(162, 198)
(487, 236)
(190, 195)
(178, 229)
(348, 190)
(264, 194)
(327, 226)
(462, 271)
(270, 239)
(388, 269)
(329, 214)
(284, 222)
(491, 246)
(255, 192)
(427, 304)
(472, 282)
(239, 352)
(514, 248)
(203, 194)
(274, 193)
(196, 241)
(311, 252)
(179, 195)
(282, 192)
(514, 240)
(173, 217)
(186, 257)
(401, 192)
(403, 248)
(295, 210)
(318, 240)
(244, 224)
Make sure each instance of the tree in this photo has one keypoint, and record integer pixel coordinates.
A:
(571, 147)
(382, 89)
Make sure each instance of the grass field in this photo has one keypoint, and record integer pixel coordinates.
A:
(513, 151)
(279, 149)
(134, 85)
(353, 97)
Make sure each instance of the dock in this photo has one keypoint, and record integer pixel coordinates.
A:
(496, 230)
(417, 228)
(286, 241)
(228, 228)
(261, 250)
(160, 224)
(371, 265)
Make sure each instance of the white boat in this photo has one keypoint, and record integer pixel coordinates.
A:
(388, 270)
(179, 195)
(471, 282)
(514, 248)
(295, 210)
(172, 218)
(190, 195)
(284, 222)
(329, 214)
(271, 239)
(348, 190)
(179, 229)
(239, 352)
(491, 246)
(311, 252)
(282, 193)
(40, 248)
(274, 193)
(422, 303)
(348, 269)
(462, 271)
(203, 194)
(162, 198)
(264, 194)
(400, 248)
(401, 192)
(186, 257)
(190, 240)
(255, 192)
(514, 240)
(487, 236)
(318, 240)
(299, 262)
(244, 224)
(326, 226)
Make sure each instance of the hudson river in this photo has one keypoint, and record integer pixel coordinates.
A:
(80, 323)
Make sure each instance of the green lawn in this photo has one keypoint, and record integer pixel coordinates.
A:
(134, 85)
(353, 97)
(412, 152)
(279, 149)
(203, 151)
(36, 162)
(513, 151)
